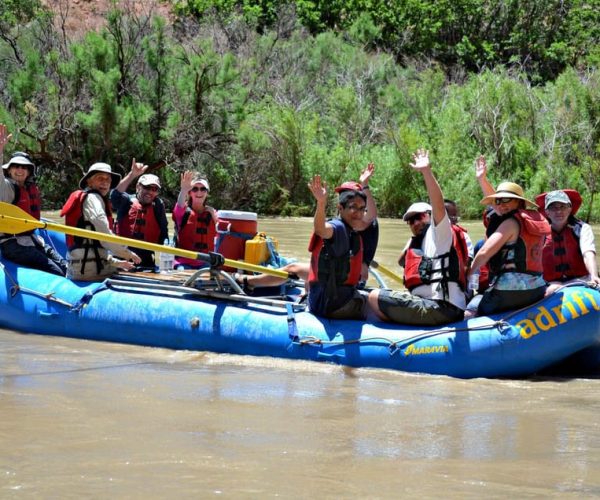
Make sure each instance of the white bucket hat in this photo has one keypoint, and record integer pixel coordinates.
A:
(104, 168)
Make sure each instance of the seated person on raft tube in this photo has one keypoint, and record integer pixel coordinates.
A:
(513, 247)
(89, 208)
(452, 211)
(434, 272)
(141, 216)
(195, 221)
(369, 235)
(17, 186)
(570, 254)
(336, 255)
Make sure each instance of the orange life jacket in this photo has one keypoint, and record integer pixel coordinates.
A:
(525, 254)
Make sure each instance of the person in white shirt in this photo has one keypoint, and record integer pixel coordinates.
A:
(434, 270)
(89, 208)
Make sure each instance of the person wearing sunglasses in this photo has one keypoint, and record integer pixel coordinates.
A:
(142, 215)
(570, 254)
(368, 230)
(336, 249)
(434, 267)
(18, 186)
(515, 235)
(195, 221)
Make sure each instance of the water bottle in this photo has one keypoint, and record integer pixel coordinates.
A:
(474, 282)
(166, 260)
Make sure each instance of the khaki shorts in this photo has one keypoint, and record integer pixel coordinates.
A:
(409, 309)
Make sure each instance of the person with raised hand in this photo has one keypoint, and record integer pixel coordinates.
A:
(512, 249)
(336, 254)
(368, 229)
(434, 273)
(141, 216)
(18, 186)
(89, 208)
(195, 221)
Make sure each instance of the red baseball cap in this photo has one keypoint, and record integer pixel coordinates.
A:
(349, 186)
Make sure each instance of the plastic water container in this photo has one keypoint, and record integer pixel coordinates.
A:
(234, 228)
(257, 250)
(165, 260)
(474, 282)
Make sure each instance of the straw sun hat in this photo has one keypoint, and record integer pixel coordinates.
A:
(508, 190)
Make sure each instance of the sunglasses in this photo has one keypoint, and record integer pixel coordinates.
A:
(195, 189)
(154, 189)
(356, 208)
(501, 201)
(414, 218)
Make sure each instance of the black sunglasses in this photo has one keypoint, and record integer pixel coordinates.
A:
(414, 218)
(195, 189)
(500, 201)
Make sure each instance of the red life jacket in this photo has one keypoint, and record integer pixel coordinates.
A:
(72, 210)
(28, 198)
(344, 270)
(525, 254)
(562, 254)
(418, 269)
(140, 223)
(197, 233)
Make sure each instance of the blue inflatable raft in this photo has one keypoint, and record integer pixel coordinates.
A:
(205, 315)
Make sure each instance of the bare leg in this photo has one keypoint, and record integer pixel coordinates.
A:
(374, 305)
(300, 269)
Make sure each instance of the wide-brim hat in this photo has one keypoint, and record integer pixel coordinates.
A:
(100, 168)
(149, 180)
(574, 198)
(508, 190)
(416, 208)
(19, 158)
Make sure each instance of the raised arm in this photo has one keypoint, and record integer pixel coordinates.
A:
(185, 185)
(481, 174)
(318, 189)
(436, 197)
(371, 213)
(137, 169)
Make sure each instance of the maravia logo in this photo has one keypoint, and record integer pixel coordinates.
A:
(571, 307)
(411, 350)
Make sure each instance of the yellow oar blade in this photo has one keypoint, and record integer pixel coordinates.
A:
(13, 220)
(388, 272)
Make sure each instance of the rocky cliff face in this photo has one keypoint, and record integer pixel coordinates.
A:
(77, 17)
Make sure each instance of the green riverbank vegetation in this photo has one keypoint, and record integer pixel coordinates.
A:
(261, 95)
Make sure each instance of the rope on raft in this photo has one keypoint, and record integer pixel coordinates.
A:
(16, 288)
(502, 325)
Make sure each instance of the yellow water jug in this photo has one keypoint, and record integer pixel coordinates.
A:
(257, 250)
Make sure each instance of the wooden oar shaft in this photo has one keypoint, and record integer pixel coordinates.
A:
(15, 225)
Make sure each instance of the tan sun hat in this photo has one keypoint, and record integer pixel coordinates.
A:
(508, 190)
